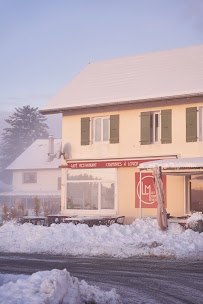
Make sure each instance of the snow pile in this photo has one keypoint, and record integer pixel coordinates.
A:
(52, 287)
(142, 238)
(192, 221)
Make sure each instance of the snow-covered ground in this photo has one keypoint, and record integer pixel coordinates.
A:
(52, 287)
(142, 238)
(193, 220)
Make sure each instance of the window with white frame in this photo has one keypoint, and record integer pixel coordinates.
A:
(155, 126)
(29, 177)
(100, 129)
(103, 129)
(91, 189)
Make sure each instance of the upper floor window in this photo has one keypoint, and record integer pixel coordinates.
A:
(156, 126)
(29, 177)
(100, 129)
(103, 129)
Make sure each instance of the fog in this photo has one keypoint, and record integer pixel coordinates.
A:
(8, 178)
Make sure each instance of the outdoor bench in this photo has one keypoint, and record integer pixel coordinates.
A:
(55, 219)
(58, 219)
(36, 220)
(95, 221)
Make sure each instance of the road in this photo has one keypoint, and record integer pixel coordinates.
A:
(137, 280)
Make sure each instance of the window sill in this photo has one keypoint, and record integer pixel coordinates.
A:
(100, 142)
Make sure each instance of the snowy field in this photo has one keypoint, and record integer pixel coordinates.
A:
(142, 238)
(52, 287)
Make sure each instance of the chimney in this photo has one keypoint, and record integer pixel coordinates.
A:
(50, 148)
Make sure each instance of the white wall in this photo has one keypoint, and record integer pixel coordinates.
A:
(46, 180)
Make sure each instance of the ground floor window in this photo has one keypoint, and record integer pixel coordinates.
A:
(196, 193)
(91, 189)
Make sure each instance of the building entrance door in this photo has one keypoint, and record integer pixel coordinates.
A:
(196, 193)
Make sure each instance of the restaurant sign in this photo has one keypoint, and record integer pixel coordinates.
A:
(105, 164)
(148, 192)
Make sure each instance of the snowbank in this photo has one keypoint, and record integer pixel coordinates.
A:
(142, 238)
(52, 287)
(192, 221)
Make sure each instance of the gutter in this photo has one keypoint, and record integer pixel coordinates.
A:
(140, 101)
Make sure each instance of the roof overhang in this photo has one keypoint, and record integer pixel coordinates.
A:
(116, 103)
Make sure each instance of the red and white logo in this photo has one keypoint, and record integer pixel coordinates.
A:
(148, 190)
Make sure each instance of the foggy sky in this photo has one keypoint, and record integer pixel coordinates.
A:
(44, 44)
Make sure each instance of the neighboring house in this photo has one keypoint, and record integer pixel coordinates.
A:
(36, 174)
(119, 113)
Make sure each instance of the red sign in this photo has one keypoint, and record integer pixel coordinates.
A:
(148, 191)
(106, 164)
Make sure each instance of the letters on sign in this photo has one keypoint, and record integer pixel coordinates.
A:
(148, 191)
(104, 164)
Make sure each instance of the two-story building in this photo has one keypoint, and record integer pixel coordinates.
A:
(119, 113)
(36, 175)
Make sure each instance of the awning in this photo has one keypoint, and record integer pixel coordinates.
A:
(192, 165)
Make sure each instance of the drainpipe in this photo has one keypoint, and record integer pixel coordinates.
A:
(50, 147)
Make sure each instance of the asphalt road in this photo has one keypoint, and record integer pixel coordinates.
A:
(137, 280)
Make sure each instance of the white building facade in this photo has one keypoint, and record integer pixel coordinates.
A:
(36, 175)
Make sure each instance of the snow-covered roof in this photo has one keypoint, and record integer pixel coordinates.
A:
(164, 74)
(179, 163)
(53, 194)
(36, 157)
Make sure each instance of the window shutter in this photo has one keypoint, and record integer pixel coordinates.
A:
(85, 131)
(114, 129)
(191, 124)
(166, 126)
(145, 128)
